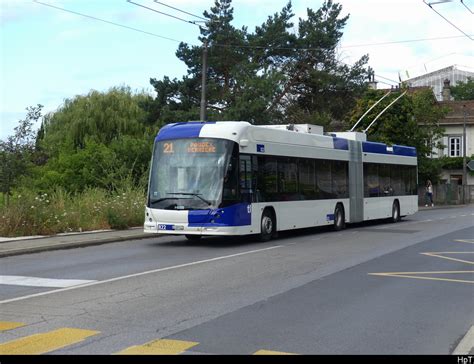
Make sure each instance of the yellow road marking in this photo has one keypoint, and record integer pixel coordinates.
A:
(411, 275)
(159, 347)
(269, 352)
(438, 255)
(46, 342)
(5, 325)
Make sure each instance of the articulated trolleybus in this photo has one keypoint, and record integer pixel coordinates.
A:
(234, 178)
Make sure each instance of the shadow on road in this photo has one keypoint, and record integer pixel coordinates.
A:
(248, 240)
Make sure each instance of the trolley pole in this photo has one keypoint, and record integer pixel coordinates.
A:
(203, 82)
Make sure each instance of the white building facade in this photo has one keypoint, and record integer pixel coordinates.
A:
(436, 79)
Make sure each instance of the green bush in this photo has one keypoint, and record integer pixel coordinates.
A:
(454, 162)
(33, 213)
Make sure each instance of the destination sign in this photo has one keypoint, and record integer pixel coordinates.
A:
(201, 147)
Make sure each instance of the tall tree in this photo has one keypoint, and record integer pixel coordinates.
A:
(97, 140)
(320, 88)
(273, 75)
(103, 116)
(17, 150)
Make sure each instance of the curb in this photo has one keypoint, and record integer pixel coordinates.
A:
(72, 245)
(442, 207)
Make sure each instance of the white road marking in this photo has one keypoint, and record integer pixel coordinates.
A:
(469, 241)
(466, 344)
(138, 274)
(41, 282)
(439, 255)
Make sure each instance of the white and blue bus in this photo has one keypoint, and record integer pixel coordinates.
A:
(234, 178)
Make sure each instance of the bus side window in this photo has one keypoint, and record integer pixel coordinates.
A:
(245, 178)
(231, 181)
(256, 192)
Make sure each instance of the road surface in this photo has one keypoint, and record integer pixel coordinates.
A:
(373, 288)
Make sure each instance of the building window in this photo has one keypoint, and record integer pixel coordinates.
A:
(454, 146)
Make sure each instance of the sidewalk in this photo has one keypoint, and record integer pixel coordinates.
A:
(439, 207)
(35, 244)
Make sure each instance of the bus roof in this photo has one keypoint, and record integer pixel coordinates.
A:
(239, 130)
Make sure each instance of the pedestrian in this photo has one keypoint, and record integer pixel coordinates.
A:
(429, 193)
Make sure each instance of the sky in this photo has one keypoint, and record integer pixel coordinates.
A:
(48, 55)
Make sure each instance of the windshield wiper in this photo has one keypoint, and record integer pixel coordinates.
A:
(160, 199)
(198, 195)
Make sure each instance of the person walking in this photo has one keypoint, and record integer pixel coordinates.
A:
(429, 193)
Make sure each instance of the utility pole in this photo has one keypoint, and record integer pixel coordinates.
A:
(204, 82)
(464, 166)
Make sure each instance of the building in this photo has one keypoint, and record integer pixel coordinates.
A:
(459, 121)
(461, 112)
(436, 79)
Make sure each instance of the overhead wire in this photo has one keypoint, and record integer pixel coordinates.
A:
(162, 13)
(236, 45)
(230, 45)
(387, 79)
(446, 19)
(107, 21)
(462, 2)
(182, 11)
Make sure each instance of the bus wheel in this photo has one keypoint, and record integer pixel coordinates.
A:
(193, 237)
(339, 219)
(267, 226)
(395, 212)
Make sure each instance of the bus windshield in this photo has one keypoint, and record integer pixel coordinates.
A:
(188, 173)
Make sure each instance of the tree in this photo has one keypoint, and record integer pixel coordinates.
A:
(96, 140)
(17, 150)
(272, 75)
(463, 90)
(412, 121)
(102, 116)
(319, 87)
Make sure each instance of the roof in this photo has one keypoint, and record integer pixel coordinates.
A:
(456, 113)
(260, 134)
(442, 73)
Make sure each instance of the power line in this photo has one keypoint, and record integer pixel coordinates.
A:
(107, 21)
(388, 79)
(175, 40)
(402, 41)
(240, 46)
(385, 83)
(462, 2)
(182, 11)
(342, 46)
(162, 13)
(452, 24)
(224, 45)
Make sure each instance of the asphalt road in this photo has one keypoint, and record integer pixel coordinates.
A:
(374, 288)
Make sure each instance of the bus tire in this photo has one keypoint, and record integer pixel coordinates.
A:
(339, 218)
(267, 226)
(193, 237)
(395, 212)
